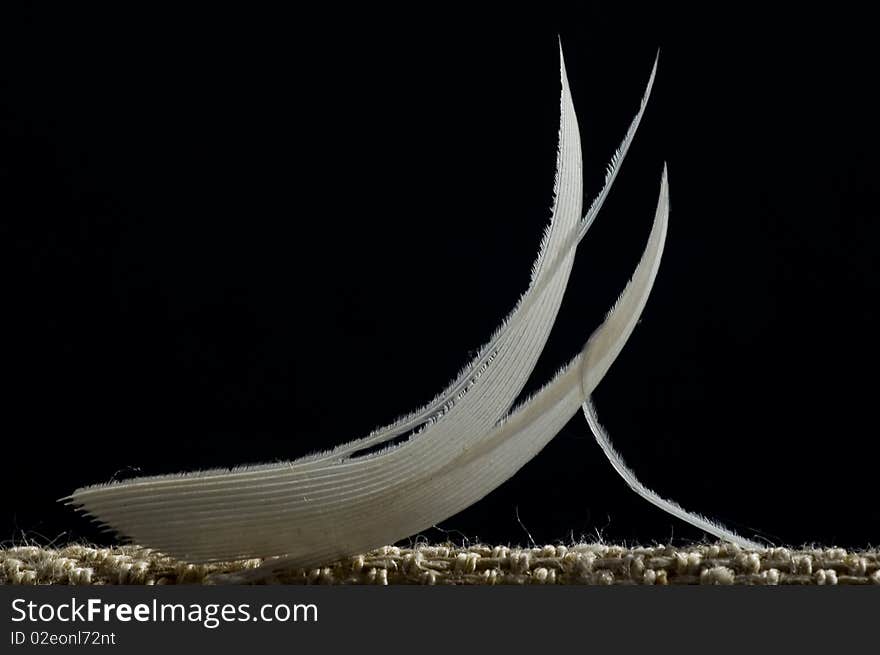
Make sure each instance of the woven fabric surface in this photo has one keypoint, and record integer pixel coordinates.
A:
(599, 564)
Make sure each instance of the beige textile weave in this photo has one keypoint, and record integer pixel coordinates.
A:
(583, 563)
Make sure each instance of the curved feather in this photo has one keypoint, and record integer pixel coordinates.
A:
(344, 503)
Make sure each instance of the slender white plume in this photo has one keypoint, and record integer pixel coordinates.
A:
(430, 464)
(671, 507)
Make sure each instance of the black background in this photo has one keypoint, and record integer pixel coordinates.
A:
(235, 236)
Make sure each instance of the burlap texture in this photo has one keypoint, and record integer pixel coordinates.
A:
(583, 563)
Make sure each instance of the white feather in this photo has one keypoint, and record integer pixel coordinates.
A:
(463, 444)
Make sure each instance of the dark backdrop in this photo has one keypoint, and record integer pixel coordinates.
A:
(242, 237)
